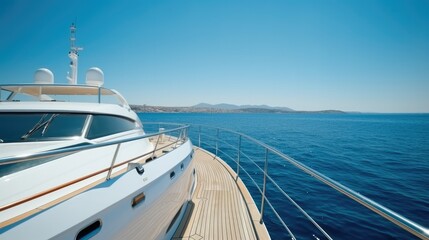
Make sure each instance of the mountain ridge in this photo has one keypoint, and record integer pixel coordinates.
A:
(228, 106)
(222, 108)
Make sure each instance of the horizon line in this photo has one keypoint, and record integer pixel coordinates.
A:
(292, 110)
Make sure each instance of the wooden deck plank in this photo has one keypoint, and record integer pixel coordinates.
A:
(221, 207)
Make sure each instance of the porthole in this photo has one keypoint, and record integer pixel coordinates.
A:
(89, 231)
(172, 174)
(182, 166)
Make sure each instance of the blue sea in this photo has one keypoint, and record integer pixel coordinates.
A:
(382, 156)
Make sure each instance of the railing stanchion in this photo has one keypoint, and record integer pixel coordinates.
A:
(265, 185)
(217, 140)
(199, 136)
(179, 138)
(156, 146)
(113, 161)
(238, 156)
(99, 95)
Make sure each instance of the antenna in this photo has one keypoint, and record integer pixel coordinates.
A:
(73, 55)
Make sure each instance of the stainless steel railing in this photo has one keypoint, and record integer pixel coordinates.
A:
(59, 152)
(178, 134)
(209, 137)
(234, 142)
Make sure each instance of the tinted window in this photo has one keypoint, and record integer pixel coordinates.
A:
(104, 125)
(16, 127)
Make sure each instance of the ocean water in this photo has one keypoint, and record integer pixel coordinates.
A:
(382, 156)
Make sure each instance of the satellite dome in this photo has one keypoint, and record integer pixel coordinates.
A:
(43, 76)
(94, 77)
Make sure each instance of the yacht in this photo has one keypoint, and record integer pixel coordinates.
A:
(85, 167)
(76, 162)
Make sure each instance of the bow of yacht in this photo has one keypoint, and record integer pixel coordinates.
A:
(79, 170)
(76, 163)
(69, 169)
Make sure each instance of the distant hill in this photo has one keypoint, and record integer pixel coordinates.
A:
(222, 108)
(246, 108)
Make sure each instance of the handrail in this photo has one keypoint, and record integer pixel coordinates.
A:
(390, 215)
(262, 191)
(397, 219)
(60, 89)
(60, 152)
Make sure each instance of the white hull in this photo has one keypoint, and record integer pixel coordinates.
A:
(110, 203)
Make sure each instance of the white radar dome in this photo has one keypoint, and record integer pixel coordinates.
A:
(43, 76)
(94, 77)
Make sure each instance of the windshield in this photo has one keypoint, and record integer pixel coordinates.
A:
(18, 127)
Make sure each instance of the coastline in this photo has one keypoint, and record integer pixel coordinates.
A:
(162, 109)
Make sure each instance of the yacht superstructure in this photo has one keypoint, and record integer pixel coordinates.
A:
(75, 163)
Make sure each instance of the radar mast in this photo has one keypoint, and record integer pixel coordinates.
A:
(73, 55)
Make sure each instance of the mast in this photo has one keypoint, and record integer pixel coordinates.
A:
(73, 55)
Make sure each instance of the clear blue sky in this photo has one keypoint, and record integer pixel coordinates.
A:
(351, 55)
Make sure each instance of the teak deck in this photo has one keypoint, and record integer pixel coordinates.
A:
(221, 207)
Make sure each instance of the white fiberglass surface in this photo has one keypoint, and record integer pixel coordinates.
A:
(36, 179)
(110, 202)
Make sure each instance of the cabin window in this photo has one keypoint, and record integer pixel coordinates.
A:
(104, 125)
(18, 127)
